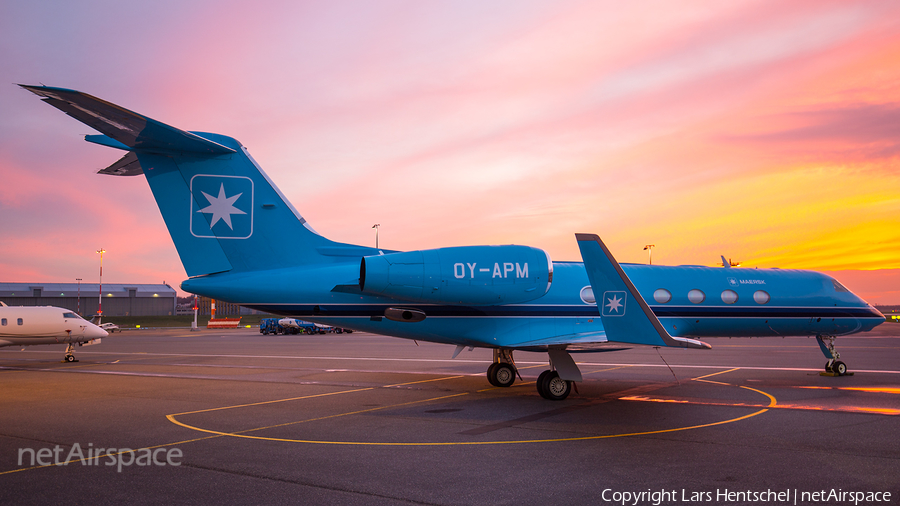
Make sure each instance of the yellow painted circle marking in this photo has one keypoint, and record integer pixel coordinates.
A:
(172, 418)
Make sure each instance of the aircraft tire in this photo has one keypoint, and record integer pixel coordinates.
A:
(504, 375)
(539, 384)
(556, 388)
(839, 368)
(490, 374)
(70, 358)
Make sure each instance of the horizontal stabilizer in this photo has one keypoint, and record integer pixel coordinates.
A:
(128, 165)
(133, 130)
(625, 314)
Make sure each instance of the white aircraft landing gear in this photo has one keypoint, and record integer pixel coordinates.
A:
(502, 373)
(70, 353)
(833, 367)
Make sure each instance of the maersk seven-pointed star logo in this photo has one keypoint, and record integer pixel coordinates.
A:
(613, 304)
(222, 206)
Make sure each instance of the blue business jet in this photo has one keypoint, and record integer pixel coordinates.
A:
(241, 241)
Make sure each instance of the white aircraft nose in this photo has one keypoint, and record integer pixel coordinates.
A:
(94, 332)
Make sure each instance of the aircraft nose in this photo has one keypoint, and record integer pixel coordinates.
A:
(95, 332)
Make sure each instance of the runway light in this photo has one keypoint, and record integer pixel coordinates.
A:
(137, 326)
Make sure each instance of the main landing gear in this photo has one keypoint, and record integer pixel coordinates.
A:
(502, 373)
(833, 367)
(555, 384)
(552, 387)
(70, 353)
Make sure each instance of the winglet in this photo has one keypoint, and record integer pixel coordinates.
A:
(126, 129)
(617, 297)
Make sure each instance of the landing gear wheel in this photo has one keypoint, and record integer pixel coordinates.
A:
(553, 387)
(839, 368)
(502, 375)
(490, 374)
(70, 358)
(540, 384)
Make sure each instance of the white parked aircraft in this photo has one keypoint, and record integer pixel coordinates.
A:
(31, 325)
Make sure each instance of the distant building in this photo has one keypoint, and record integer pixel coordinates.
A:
(222, 308)
(118, 299)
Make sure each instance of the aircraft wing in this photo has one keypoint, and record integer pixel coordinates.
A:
(585, 341)
(132, 130)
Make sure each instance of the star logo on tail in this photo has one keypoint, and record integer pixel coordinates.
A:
(221, 207)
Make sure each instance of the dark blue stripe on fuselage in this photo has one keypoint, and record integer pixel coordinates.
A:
(368, 310)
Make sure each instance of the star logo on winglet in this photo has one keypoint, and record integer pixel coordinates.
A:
(221, 207)
(614, 304)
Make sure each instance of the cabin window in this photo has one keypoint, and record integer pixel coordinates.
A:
(729, 296)
(662, 295)
(587, 295)
(19, 321)
(3, 322)
(761, 297)
(696, 296)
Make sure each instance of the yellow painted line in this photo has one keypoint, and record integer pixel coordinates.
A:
(424, 381)
(716, 374)
(772, 401)
(608, 369)
(276, 401)
(241, 434)
(533, 366)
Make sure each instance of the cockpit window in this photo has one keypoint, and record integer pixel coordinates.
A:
(70, 315)
(838, 286)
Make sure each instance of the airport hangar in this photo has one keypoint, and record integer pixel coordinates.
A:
(118, 299)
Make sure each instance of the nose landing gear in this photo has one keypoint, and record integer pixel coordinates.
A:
(70, 353)
(833, 367)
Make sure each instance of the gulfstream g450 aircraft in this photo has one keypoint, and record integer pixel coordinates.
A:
(241, 241)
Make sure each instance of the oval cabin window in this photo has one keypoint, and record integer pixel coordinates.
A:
(587, 295)
(696, 296)
(662, 296)
(729, 296)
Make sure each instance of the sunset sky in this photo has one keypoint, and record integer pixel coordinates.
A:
(765, 131)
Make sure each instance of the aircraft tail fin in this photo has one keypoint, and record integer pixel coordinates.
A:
(222, 211)
(625, 314)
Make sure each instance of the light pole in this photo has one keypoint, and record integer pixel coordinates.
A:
(100, 301)
(375, 226)
(649, 249)
(79, 295)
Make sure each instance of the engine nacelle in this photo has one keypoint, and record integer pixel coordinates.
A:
(464, 275)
